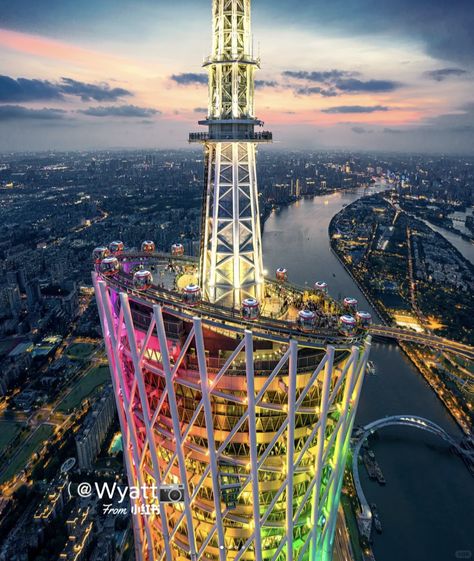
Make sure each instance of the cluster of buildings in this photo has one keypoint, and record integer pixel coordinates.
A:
(89, 534)
(56, 208)
(439, 264)
(402, 261)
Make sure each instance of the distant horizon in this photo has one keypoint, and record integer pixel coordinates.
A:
(194, 149)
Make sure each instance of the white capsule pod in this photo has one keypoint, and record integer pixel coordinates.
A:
(142, 280)
(100, 253)
(281, 274)
(364, 319)
(350, 303)
(250, 309)
(177, 249)
(148, 246)
(109, 266)
(116, 247)
(306, 320)
(321, 287)
(347, 325)
(192, 295)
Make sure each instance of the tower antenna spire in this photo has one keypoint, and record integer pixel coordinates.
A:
(231, 266)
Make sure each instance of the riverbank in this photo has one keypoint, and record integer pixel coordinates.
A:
(440, 389)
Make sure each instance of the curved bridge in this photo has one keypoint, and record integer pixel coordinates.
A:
(365, 517)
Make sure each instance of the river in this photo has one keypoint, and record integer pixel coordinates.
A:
(427, 506)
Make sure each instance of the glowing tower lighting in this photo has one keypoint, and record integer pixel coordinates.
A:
(231, 260)
(251, 413)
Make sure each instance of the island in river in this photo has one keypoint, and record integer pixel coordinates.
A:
(416, 279)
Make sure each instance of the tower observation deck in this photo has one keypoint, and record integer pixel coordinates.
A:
(231, 266)
(240, 390)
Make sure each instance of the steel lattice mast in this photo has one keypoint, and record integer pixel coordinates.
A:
(231, 254)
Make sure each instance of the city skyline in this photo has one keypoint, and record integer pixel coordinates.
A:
(388, 76)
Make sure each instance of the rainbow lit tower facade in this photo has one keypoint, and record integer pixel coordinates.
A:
(225, 385)
(231, 267)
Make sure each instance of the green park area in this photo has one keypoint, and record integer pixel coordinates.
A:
(8, 431)
(85, 387)
(31, 446)
(80, 351)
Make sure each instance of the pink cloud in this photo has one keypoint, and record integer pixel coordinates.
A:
(38, 46)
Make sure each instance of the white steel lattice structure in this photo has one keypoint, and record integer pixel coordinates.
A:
(274, 431)
(231, 258)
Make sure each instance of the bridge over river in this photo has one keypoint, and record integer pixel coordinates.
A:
(427, 339)
(365, 515)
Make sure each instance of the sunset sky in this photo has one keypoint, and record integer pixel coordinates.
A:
(367, 74)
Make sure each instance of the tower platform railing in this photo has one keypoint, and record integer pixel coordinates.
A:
(264, 136)
(241, 59)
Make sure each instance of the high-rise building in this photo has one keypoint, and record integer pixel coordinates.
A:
(94, 429)
(242, 389)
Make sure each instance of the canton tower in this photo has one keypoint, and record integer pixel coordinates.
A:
(237, 391)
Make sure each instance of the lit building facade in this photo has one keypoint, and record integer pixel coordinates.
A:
(94, 429)
(230, 393)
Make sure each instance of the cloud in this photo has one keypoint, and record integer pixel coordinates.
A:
(375, 86)
(260, 84)
(388, 130)
(460, 122)
(97, 92)
(119, 111)
(188, 78)
(319, 75)
(18, 112)
(336, 82)
(200, 110)
(355, 109)
(442, 74)
(361, 130)
(312, 90)
(25, 89)
(443, 28)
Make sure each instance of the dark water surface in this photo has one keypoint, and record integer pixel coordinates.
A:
(427, 506)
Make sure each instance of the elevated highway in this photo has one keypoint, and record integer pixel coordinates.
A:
(427, 339)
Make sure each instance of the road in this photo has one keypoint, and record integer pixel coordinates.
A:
(460, 349)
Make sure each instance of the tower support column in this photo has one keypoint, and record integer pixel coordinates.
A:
(231, 260)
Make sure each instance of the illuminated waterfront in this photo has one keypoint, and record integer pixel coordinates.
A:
(427, 506)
